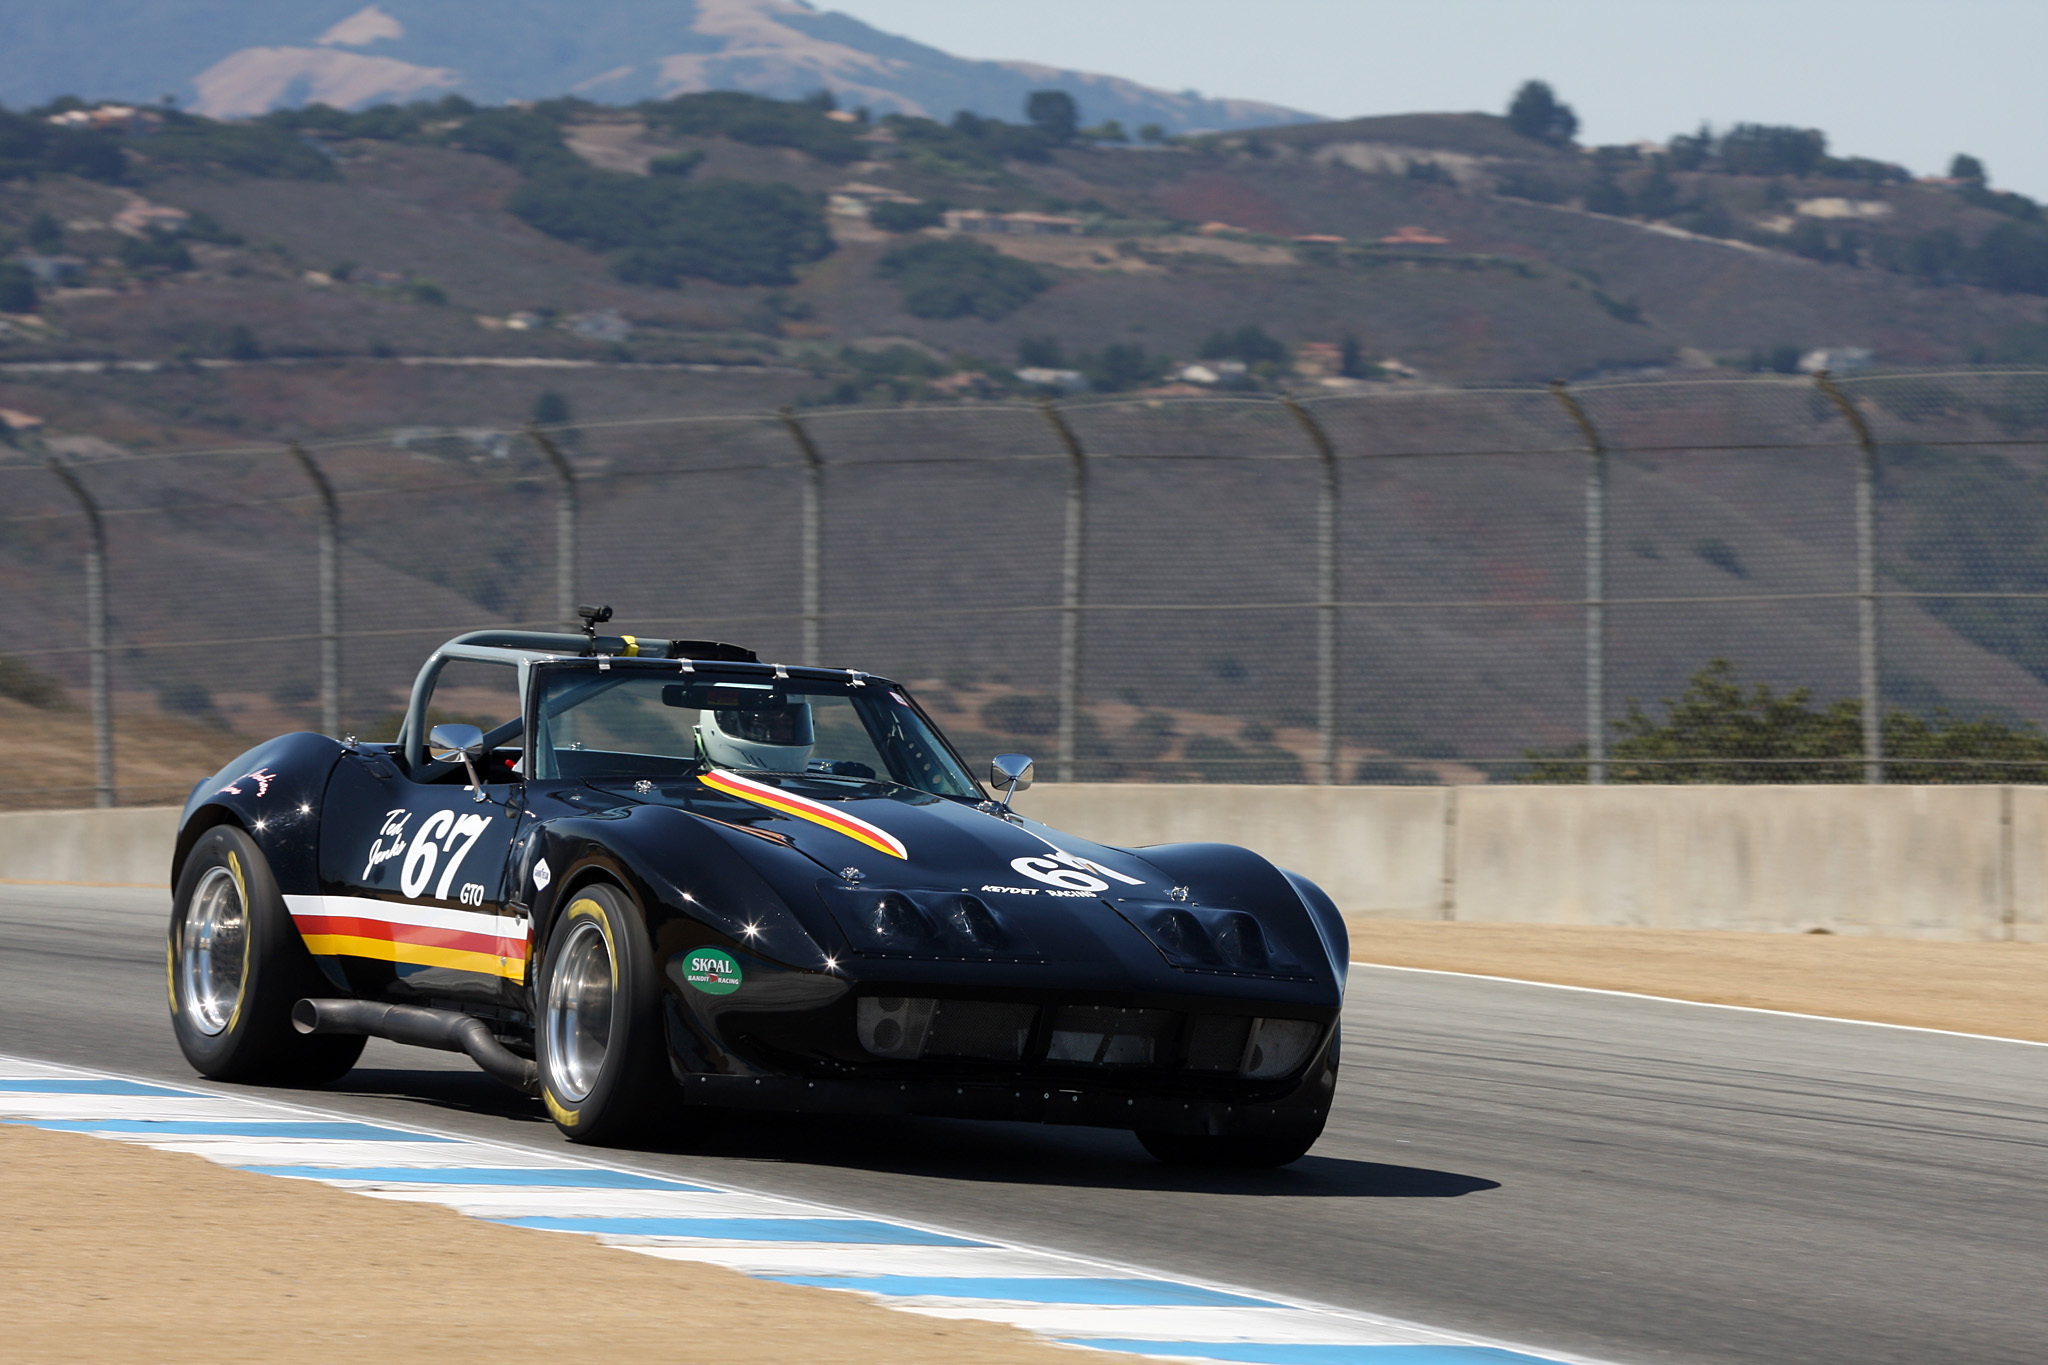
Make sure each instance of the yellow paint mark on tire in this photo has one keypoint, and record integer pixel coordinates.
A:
(248, 937)
(566, 1117)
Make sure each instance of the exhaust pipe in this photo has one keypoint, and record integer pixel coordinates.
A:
(409, 1024)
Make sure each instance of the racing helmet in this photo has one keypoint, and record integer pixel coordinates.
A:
(776, 738)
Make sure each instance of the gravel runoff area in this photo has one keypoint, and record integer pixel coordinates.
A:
(2000, 989)
(110, 1251)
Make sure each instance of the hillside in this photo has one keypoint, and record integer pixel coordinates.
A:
(455, 270)
(239, 266)
(228, 57)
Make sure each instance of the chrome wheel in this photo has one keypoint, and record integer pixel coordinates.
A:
(579, 1011)
(213, 951)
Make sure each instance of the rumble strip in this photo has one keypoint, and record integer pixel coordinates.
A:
(907, 1266)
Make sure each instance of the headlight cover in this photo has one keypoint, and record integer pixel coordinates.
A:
(956, 925)
(1198, 938)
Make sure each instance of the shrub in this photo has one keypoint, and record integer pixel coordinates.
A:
(898, 217)
(30, 146)
(660, 229)
(1250, 343)
(1718, 730)
(256, 149)
(157, 250)
(1020, 714)
(677, 164)
(758, 120)
(522, 137)
(17, 289)
(1119, 366)
(954, 279)
(1721, 555)
(31, 686)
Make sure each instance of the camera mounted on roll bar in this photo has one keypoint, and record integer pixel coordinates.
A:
(593, 617)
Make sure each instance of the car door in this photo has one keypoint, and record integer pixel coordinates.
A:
(413, 888)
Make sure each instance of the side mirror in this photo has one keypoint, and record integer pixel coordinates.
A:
(1012, 773)
(447, 743)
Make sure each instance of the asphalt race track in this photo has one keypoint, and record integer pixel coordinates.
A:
(1633, 1180)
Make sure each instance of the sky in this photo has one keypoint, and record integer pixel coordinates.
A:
(1911, 81)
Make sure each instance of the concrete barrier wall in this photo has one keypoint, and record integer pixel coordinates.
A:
(119, 847)
(1963, 862)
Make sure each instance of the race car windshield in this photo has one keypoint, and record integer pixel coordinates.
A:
(627, 722)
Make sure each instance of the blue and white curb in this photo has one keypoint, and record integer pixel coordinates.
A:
(913, 1267)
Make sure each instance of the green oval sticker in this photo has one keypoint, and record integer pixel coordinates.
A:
(712, 972)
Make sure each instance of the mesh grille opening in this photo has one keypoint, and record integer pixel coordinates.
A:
(979, 1030)
(1101, 1035)
(1216, 1042)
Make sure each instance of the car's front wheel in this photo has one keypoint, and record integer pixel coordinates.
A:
(598, 1038)
(237, 965)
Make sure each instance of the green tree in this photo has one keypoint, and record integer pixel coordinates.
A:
(1967, 167)
(242, 343)
(678, 164)
(895, 216)
(1351, 357)
(1719, 730)
(660, 229)
(45, 233)
(550, 409)
(1120, 366)
(17, 289)
(1250, 343)
(1042, 353)
(155, 251)
(1772, 149)
(1054, 113)
(1536, 112)
(958, 278)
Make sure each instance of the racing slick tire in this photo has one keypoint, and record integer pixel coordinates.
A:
(1241, 1151)
(236, 965)
(597, 1037)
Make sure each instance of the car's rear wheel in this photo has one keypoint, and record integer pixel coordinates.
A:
(236, 965)
(598, 1038)
(1238, 1151)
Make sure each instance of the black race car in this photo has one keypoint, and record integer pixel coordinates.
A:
(680, 877)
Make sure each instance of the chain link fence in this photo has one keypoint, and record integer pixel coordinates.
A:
(1389, 586)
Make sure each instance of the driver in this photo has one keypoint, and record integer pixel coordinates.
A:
(775, 738)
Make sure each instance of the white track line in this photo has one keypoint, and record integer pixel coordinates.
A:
(1703, 1004)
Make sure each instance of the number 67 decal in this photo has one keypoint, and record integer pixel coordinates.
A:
(457, 836)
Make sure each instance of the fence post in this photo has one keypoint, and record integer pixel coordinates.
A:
(330, 592)
(1596, 584)
(1866, 577)
(95, 636)
(1326, 590)
(813, 533)
(1071, 584)
(565, 526)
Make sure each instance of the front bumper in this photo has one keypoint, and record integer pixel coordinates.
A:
(1107, 1105)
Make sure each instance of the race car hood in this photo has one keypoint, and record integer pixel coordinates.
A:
(897, 836)
(906, 873)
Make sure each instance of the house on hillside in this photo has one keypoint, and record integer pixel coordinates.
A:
(140, 216)
(53, 270)
(1015, 224)
(110, 118)
(1413, 236)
